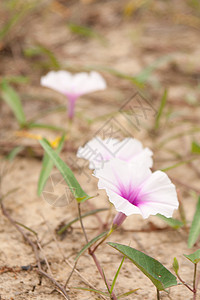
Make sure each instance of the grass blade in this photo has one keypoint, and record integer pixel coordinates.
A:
(40, 50)
(195, 227)
(91, 290)
(66, 172)
(144, 75)
(45, 126)
(10, 96)
(14, 152)
(47, 166)
(127, 293)
(160, 110)
(116, 275)
(87, 32)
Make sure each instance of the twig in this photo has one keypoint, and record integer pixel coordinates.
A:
(46, 261)
(34, 247)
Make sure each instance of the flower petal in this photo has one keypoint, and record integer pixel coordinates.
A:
(133, 149)
(158, 195)
(99, 151)
(134, 189)
(73, 85)
(87, 83)
(122, 175)
(59, 81)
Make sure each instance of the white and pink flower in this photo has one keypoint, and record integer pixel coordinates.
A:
(73, 85)
(134, 189)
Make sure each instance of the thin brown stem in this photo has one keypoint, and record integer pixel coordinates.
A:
(194, 282)
(81, 222)
(158, 294)
(184, 283)
(94, 256)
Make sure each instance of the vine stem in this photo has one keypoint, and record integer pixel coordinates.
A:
(107, 235)
(94, 256)
(158, 294)
(184, 283)
(194, 282)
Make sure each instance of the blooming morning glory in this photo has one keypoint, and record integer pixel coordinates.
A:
(99, 151)
(73, 85)
(134, 189)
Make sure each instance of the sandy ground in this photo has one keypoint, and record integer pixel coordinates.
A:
(127, 44)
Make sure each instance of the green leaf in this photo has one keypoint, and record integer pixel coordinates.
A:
(195, 148)
(10, 96)
(94, 240)
(175, 265)
(47, 166)
(116, 275)
(153, 269)
(195, 227)
(194, 257)
(161, 108)
(127, 293)
(171, 222)
(92, 212)
(66, 172)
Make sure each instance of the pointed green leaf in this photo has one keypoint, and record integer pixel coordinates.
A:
(175, 265)
(47, 166)
(171, 222)
(10, 96)
(194, 257)
(195, 227)
(94, 240)
(153, 269)
(66, 172)
(195, 148)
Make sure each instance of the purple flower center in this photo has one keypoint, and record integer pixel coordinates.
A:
(131, 194)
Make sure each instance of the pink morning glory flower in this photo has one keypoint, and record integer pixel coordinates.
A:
(134, 189)
(73, 85)
(99, 151)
